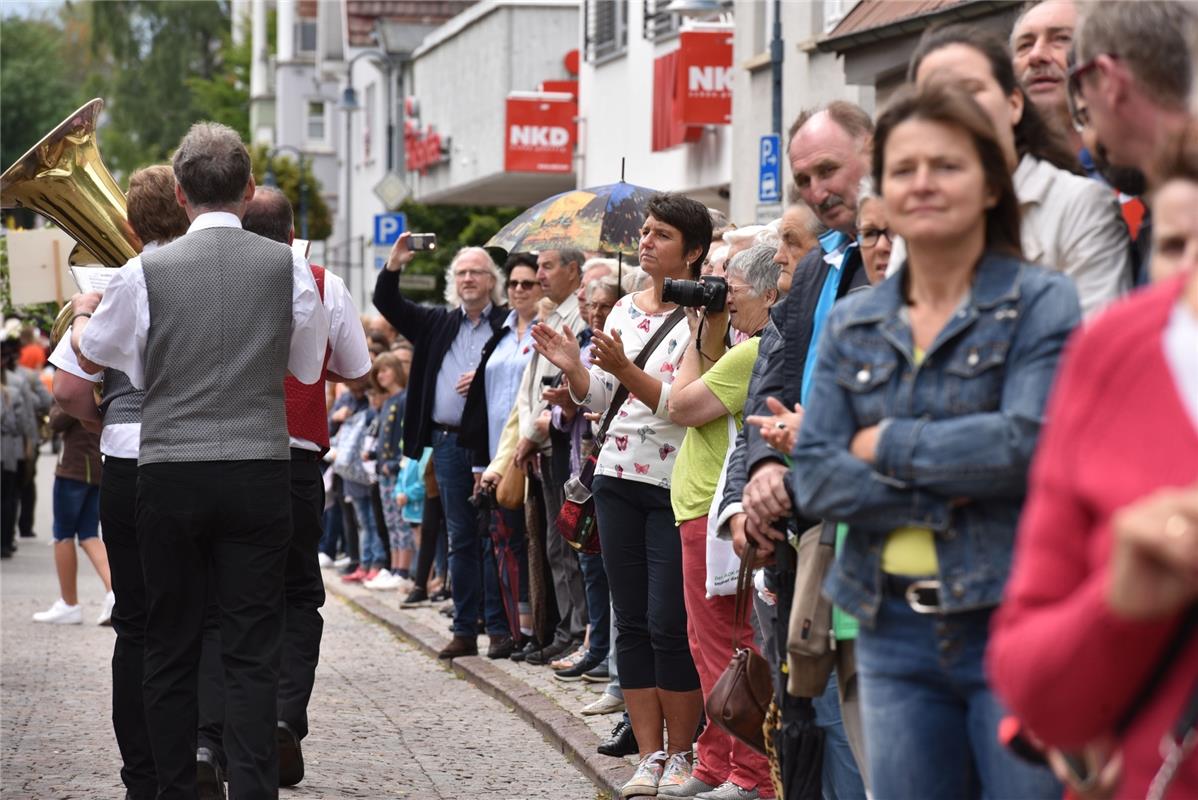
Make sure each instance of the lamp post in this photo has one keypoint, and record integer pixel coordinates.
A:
(349, 104)
(269, 180)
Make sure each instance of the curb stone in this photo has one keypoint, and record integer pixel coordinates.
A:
(558, 726)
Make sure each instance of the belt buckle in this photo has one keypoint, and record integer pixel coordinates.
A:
(911, 595)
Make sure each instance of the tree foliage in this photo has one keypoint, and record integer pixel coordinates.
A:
(286, 174)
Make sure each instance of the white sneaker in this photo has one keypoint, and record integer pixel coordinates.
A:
(606, 704)
(325, 561)
(384, 580)
(105, 617)
(60, 614)
(570, 661)
(648, 773)
(344, 561)
(676, 774)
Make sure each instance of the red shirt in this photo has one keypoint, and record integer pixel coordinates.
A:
(1117, 431)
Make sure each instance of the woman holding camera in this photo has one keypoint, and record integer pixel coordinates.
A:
(642, 551)
(927, 401)
(708, 397)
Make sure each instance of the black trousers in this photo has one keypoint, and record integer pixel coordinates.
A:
(118, 517)
(9, 487)
(224, 524)
(28, 498)
(432, 528)
(304, 593)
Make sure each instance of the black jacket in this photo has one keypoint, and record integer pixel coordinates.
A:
(475, 435)
(782, 372)
(431, 331)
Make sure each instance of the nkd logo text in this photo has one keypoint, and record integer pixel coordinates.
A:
(538, 136)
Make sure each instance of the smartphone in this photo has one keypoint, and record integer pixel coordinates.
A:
(422, 241)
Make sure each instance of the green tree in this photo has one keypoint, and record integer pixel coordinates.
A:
(287, 175)
(35, 83)
(158, 49)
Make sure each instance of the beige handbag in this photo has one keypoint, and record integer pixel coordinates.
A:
(810, 642)
(510, 491)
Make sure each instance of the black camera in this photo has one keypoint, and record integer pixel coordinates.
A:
(483, 501)
(709, 292)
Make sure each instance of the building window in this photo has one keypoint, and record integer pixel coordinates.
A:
(606, 28)
(305, 37)
(316, 127)
(835, 11)
(659, 23)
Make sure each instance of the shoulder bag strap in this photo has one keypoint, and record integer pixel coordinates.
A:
(744, 592)
(1168, 656)
(642, 358)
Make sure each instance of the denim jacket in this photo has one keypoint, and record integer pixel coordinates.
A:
(957, 432)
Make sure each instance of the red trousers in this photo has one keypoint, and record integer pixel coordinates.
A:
(709, 621)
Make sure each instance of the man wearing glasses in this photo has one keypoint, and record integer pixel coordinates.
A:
(1133, 72)
(447, 344)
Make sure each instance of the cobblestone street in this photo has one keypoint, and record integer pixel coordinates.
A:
(387, 721)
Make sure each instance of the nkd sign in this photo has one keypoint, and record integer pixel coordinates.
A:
(703, 92)
(540, 132)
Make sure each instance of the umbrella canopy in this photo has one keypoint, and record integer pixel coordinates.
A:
(605, 219)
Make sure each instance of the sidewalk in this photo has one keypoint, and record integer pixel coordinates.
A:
(549, 705)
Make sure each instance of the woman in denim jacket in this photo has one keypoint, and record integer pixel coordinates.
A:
(927, 400)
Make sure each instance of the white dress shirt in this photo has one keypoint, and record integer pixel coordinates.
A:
(351, 356)
(116, 336)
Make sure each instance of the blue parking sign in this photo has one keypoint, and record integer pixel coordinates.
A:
(769, 181)
(388, 227)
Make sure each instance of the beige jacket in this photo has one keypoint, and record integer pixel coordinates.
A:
(529, 404)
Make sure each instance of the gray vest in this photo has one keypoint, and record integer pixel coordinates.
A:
(217, 349)
(121, 403)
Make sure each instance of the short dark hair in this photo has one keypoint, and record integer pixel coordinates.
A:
(849, 116)
(1032, 134)
(269, 214)
(1150, 36)
(212, 165)
(520, 260)
(955, 107)
(690, 217)
(154, 211)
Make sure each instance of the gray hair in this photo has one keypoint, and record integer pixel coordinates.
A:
(571, 255)
(1150, 36)
(451, 289)
(605, 284)
(866, 190)
(757, 268)
(595, 263)
(212, 166)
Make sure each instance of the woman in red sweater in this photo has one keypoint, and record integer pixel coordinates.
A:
(1106, 562)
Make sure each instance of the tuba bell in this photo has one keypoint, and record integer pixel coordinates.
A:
(63, 178)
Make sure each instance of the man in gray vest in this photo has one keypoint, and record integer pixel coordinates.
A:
(209, 326)
(156, 219)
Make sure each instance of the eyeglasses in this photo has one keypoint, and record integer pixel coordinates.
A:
(739, 288)
(1079, 114)
(471, 273)
(871, 236)
(527, 286)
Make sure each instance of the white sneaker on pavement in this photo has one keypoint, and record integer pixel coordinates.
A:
(570, 661)
(60, 614)
(384, 580)
(344, 561)
(728, 791)
(648, 773)
(606, 704)
(677, 773)
(324, 560)
(105, 617)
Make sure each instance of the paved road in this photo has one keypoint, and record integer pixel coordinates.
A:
(387, 722)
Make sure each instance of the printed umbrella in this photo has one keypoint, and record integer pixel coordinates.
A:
(604, 219)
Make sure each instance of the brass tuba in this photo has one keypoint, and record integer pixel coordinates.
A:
(63, 178)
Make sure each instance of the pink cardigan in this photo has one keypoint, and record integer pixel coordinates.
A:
(1117, 430)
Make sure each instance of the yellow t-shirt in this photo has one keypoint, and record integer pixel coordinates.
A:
(908, 550)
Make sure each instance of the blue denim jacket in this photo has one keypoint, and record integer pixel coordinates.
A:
(957, 433)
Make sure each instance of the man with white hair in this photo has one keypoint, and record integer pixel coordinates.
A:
(447, 344)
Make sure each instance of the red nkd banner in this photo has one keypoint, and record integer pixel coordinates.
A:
(704, 88)
(540, 133)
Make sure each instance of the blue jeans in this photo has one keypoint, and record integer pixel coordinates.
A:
(841, 780)
(370, 545)
(931, 722)
(76, 509)
(474, 587)
(594, 581)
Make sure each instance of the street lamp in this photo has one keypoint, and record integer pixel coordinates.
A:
(269, 180)
(349, 104)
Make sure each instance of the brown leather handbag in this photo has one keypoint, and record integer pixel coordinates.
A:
(740, 699)
(510, 491)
